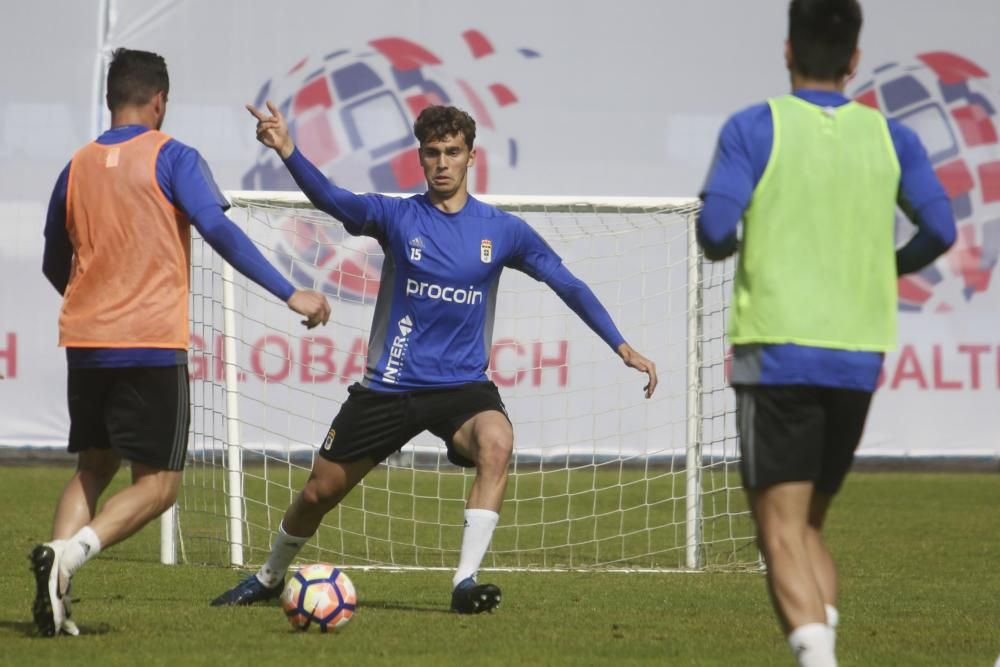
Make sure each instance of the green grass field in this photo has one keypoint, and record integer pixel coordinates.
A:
(920, 581)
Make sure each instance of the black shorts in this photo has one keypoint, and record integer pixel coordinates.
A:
(141, 413)
(791, 433)
(376, 424)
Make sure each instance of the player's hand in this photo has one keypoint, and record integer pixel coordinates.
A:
(313, 305)
(635, 360)
(272, 131)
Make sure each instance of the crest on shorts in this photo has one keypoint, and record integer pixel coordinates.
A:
(486, 251)
(330, 435)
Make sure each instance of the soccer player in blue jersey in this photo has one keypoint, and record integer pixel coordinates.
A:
(117, 246)
(816, 179)
(430, 342)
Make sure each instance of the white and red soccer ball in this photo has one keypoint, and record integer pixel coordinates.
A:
(319, 596)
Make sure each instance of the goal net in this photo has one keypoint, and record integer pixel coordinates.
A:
(601, 478)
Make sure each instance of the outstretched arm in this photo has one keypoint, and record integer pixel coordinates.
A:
(236, 248)
(344, 205)
(187, 182)
(581, 299)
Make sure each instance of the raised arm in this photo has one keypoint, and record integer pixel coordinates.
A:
(344, 205)
(537, 259)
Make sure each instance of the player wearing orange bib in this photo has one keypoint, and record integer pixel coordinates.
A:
(117, 244)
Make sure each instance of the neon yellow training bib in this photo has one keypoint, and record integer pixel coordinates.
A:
(817, 263)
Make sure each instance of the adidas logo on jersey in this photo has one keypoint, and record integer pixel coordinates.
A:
(416, 248)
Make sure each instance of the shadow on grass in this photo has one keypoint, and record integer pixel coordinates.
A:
(390, 605)
(27, 629)
(398, 606)
(23, 628)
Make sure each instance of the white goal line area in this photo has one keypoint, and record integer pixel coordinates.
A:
(601, 478)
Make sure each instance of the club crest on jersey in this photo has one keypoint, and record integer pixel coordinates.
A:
(328, 442)
(486, 251)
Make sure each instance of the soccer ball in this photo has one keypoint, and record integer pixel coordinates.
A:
(952, 105)
(320, 596)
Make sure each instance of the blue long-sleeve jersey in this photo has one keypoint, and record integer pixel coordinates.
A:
(187, 183)
(741, 157)
(433, 321)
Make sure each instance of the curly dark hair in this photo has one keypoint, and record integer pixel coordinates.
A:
(437, 122)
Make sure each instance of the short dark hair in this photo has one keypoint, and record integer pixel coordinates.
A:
(824, 36)
(134, 77)
(437, 122)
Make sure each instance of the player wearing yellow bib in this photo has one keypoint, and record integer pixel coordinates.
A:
(816, 179)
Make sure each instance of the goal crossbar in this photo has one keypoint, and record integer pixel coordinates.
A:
(523, 203)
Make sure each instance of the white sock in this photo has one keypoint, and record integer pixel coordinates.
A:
(78, 550)
(285, 548)
(832, 618)
(479, 527)
(812, 645)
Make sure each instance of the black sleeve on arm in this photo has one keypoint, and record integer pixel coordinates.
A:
(924, 201)
(935, 234)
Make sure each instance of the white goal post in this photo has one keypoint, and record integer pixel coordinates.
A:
(601, 478)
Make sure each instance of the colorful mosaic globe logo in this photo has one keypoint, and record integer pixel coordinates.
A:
(351, 113)
(952, 105)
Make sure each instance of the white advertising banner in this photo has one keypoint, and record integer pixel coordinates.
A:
(571, 98)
